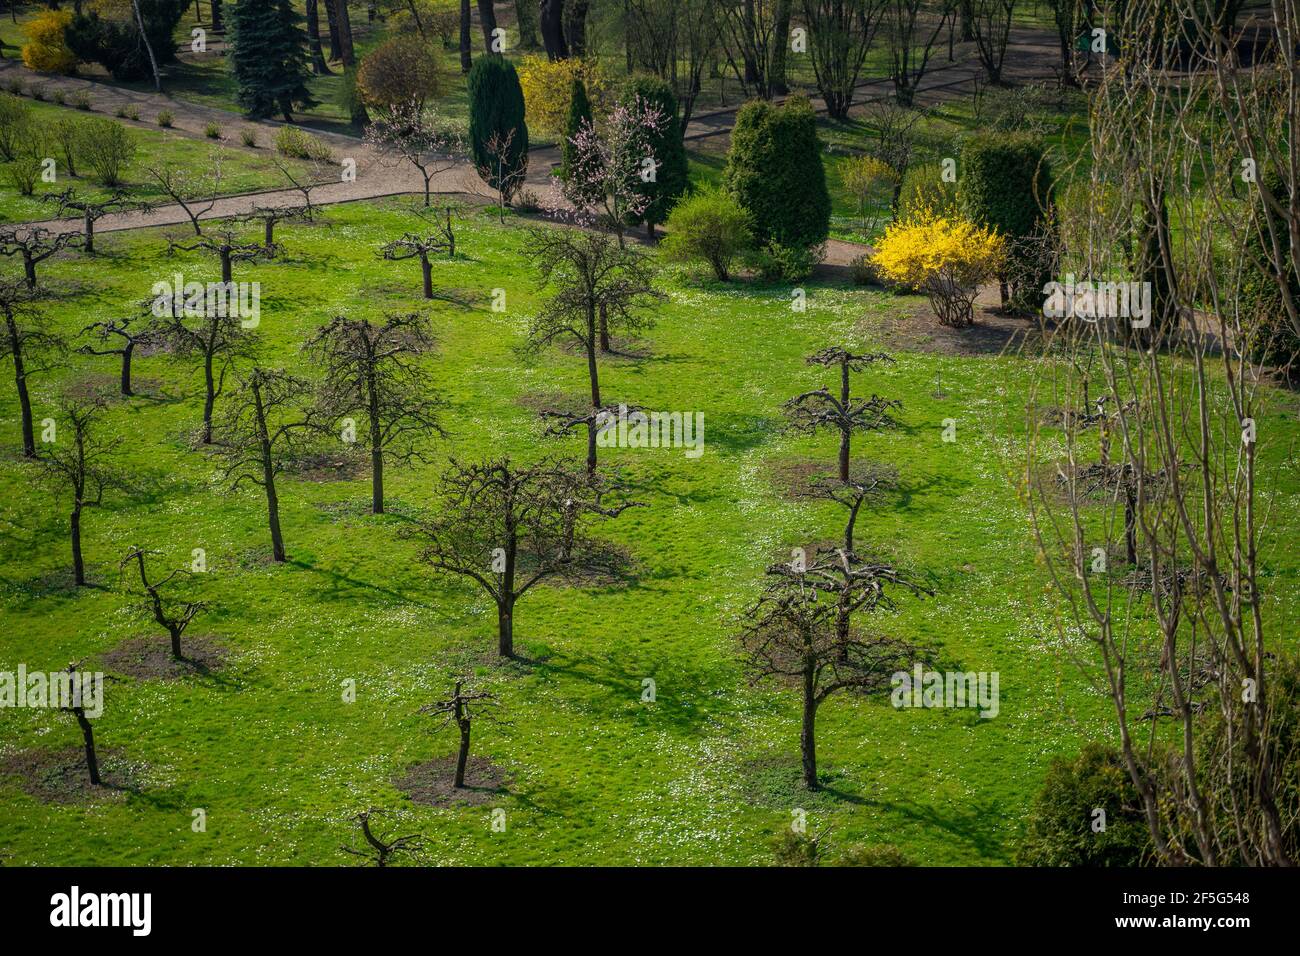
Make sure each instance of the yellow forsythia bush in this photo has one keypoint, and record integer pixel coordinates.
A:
(945, 257)
(548, 86)
(48, 52)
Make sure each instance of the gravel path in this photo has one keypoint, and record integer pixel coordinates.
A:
(1033, 55)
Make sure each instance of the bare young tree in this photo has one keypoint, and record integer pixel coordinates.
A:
(413, 134)
(266, 418)
(598, 286)
(174, 614)
(304, 183)
(196, 194)
(509, 527)
(382, 849)
(77, 708)
(92, 210)
(990, 24)
(377, 370)
(228, 246)
(912, 29)
(272, 216)
(35, 244)
(462, 708)
(215, 334)
(1199, 730)
(33, 346)
(121, 337)
(76, 465)
(751, 36)
(419, 245)
(840, 35)
(820, 408)
(501, 169)
(791, 634)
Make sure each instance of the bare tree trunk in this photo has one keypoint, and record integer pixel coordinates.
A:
(20, 382)
(427, 268)
(88, 739)
(487, 20)
(209, 397)
(552, 25)
(462, 758)
(78, 566)
(126, 368)
(318, 64)
(808, 730)
(466, 60)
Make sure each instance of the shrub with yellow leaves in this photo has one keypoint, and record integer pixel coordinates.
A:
(944, 257)
(548, 85)
(48, 51)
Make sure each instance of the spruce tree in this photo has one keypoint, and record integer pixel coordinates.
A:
(579, 114)
(268, 58)
(669, 151)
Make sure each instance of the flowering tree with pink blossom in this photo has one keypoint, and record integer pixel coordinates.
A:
(608, 165)
(414, 134)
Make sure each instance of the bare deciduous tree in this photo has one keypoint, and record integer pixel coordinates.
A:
(820, 408)
(377, 370)
(91, 210)
(791, 633)
(217, 335)
(381, 849)
(76, 465)
(413, 134)
(35, 244)
(128, 332)
(31, 344)
(267, 416)
(173, 614)
(509, 527)
(462, 708)
(840, 35)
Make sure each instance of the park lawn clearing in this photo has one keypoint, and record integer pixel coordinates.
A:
(269, 746)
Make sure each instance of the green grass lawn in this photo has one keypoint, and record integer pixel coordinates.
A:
(242, 169)
(706, 774)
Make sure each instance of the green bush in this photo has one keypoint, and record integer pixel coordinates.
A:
(292, 142)
(248, 136)
(15, 124)
(496, 109)
(212, 131)
(107, 148)
(923, 188)
(165, 118)
(671, 177)
(1007, 185)
(775, 170)
(81, 101)
(885, 854)
(776, 262)
(16, 86)
(1060, 826)
(708, 226)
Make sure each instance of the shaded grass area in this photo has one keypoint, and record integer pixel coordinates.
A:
(270, 748)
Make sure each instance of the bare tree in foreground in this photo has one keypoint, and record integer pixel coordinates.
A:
(1198, 731)
(377, 370)
(266, 417)
(820, 408)
(382, 849)
(75, 464)
(128, 332)
(461, 709)
(215, 334)
(77, 708)
(34, 244)
(791, 634)
(509, 527)
(226, 244)
(173, 614)
(31, 344)
(92, 210)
